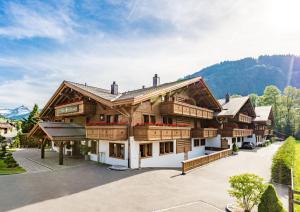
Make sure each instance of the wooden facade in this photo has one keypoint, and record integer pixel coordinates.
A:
(106, 132)
(204, 132)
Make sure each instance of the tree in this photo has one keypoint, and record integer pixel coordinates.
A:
(254, 98)
(271, 95)
(32, 119)
(247, 189)
(269, 201)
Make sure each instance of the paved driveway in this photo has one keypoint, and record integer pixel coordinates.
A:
(92, 187)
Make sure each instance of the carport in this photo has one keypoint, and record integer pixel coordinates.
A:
(60, 133)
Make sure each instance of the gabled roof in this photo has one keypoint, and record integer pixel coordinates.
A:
(5, 125)
(234, 105)
(130, 97)
(59, 131)
(263, 113)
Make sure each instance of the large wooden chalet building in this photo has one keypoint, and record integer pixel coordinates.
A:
(157, 126)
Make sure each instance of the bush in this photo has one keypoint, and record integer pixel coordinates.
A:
(269, 201)
(247, 189)
(283, 162)
(235, 147)
(10, 161)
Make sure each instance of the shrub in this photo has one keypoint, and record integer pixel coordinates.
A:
(283, 162)
(269, 201)
(10, 161)
(235, 147)
(247, 189)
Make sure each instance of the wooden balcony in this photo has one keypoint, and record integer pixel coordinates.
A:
(107, 132)
(74, 109)
(264, 132)
(236, 132)
(244, 118)
(157, 133)
(183, 109)
(204, 132)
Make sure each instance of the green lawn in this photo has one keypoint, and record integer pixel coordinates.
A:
(4, 170)
(297, 172)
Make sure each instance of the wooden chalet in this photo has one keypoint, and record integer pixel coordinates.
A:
(263, 123)
(236, 120)
(157, 126)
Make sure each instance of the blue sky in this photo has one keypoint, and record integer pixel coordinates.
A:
(99, 41)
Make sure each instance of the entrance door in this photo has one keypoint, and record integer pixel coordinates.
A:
(224, 143)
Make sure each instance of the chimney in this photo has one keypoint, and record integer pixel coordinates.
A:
(114, 88)
(227, 97)
(156, 80)
(143, 87)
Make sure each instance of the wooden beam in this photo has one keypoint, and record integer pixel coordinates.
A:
(61, 153)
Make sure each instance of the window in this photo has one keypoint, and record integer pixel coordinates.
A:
(152, 118)
(196, 142)
(167, 120)
(5, 131)
(146, 118)
(233, 140)
(238, 139)
(94, 147)
(108, 118)
(166, 147)
(145, 150)
(116, 150)
(203, 142)
(242, 139)
(116, 118)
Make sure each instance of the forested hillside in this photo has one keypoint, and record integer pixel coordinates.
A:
(250, 75)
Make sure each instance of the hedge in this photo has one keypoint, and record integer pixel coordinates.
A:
(283, 162)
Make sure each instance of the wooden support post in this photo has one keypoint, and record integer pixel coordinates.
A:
(61, 153)
(291, 199)
(43, 149)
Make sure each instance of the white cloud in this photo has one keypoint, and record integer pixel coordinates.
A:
(45, 22)
(201, 33)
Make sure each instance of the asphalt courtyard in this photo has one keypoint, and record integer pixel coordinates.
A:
(87, 186)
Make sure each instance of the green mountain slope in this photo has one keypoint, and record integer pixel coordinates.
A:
(250, 75)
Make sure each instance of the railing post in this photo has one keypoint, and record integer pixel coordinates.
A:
(291, 199)
(182, 168)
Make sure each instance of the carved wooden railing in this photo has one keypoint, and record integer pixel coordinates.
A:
(107, 132)
(244, 118)
(204, 132)
(152, 133)
(193, 163)
(183, 109)
(235, 132)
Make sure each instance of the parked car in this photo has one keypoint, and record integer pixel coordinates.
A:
(248, 145)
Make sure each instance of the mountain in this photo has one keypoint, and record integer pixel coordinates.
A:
(251, 75)
(18, 113)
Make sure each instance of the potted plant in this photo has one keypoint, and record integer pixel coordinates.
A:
(235, 149)
(84, 149)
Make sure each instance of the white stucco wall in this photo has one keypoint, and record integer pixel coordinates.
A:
(104, 154)
(196, 151)
(213, 142)
(252, 139)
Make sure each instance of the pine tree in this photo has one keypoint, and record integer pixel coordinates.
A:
(32, 119)
(269, 201)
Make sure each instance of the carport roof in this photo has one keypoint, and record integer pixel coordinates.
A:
(59, 131)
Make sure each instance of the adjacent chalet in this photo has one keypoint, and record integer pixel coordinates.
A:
(5, 128)
(157, 126)
(263, 124)
(236, 120)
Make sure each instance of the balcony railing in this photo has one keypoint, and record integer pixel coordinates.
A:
(236, 132)
(204, 132)
(183, 109)
(264, 132)
(153, 133)
(244, 118)
(107, 132)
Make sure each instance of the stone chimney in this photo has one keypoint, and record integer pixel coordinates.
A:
(114, 88)
(227, 97)
(156, 80)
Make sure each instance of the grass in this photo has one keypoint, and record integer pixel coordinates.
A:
(297, 173)
(5, 171)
